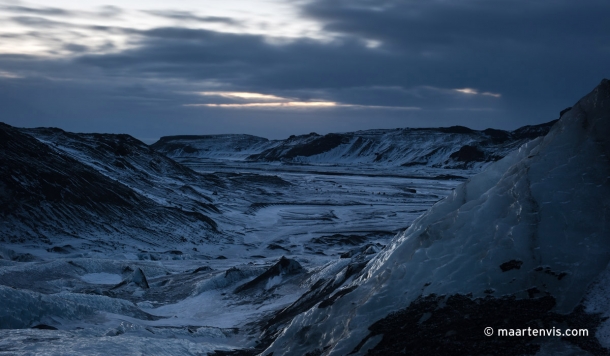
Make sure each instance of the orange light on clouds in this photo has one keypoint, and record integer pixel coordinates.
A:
(301, 105)
(241, 95)
(258, 100)
(467, 91)
(268, 101)
(471, 91)
(288, 104)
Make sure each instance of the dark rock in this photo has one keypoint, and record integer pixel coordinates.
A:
(59, 249)
(497, 136)
(456, 129)
(44, 327)
(234, 271)
(277, 247)
(454, 325)
(202, 269)
(532, 131)
(533, 291)
(549, 271)
(512, 264)
(468, 154)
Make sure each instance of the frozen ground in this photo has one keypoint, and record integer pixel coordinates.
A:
(325, 210)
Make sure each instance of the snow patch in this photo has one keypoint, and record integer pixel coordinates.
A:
(273, 281)
(101, 278)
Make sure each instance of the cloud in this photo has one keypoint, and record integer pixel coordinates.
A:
(266, 101)
(37, 10)
(188, 16)
(37, 22)
(281, 104)
(241, 95)
(477, 43)
(470, 91)
(417, 25)
(9, 75)
(476, 63)
(40, 22)
(103, 11)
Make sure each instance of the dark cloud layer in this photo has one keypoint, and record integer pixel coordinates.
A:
(537, 56)
(105, 11)
(37, 11)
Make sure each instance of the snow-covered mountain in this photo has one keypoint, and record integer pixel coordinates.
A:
(449, 147)
(86, 192)
(525, 244)
(224, 147)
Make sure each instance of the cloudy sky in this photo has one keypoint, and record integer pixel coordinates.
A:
(279, 67)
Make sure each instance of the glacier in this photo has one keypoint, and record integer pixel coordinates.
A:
(543, 210)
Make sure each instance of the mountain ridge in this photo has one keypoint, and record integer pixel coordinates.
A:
(446, 147)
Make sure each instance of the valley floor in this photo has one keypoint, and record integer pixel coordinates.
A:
(325, 218)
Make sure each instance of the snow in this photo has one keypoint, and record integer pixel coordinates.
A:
(597, 301)
(27, 342)
(102, 278)
(273, 281)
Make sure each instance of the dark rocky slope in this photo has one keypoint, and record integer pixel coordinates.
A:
(46, 195)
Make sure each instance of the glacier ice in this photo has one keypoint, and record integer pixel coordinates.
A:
(544, 206)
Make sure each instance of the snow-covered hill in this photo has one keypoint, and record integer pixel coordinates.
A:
(450, 147)
(525, 244)
(49, 196)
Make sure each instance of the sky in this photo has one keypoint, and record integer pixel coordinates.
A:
(274, 68)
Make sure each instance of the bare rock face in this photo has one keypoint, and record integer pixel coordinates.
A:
(523, 244)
